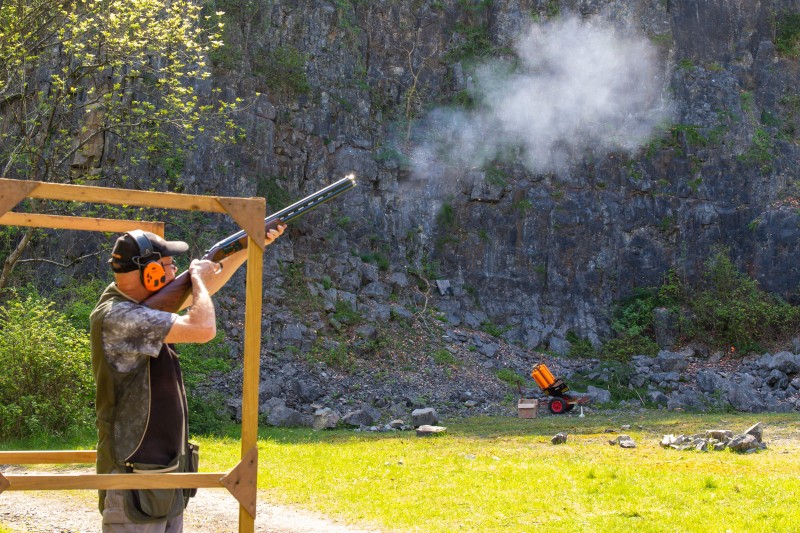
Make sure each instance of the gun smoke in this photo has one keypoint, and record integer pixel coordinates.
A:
(576, 88)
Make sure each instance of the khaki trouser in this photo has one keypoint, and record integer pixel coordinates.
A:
(115, 520)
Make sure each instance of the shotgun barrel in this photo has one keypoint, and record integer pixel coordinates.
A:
(238, 241)
(172, 296)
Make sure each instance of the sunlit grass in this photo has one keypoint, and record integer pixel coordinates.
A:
(503, 474)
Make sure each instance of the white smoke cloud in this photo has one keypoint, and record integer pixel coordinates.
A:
(578, 87)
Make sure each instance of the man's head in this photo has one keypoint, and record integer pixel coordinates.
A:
(145, 252)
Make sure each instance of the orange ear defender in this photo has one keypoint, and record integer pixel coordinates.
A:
(153, 276)
(152, 272)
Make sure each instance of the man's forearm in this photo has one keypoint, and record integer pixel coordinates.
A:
(201, 314)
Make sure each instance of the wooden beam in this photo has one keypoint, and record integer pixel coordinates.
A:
(48, 457)
(112, 481)
(108, 195)
(80, 223)
(242, 482)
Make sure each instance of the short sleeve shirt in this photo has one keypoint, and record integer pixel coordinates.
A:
(132, 333)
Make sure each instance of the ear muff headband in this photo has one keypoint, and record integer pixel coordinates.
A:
(152, 272)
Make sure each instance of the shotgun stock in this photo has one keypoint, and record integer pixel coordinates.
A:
(172, 296)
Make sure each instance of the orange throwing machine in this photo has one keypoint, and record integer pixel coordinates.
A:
(560, 402)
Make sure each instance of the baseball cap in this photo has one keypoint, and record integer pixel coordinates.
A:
(126, 255)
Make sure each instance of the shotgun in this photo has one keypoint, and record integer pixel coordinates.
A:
(173, 294)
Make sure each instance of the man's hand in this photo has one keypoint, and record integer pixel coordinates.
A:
(199, 324)
(274, 234)
(203, 270)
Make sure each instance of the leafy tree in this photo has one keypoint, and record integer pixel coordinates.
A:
(92, 88)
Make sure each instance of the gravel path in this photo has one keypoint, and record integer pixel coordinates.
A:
(212, 511)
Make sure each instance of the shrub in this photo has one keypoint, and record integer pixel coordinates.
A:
(726, 308)
(444, 358)
(510, 377)
(787, 39)
(46, 385)
(732, 310)
(198, 363)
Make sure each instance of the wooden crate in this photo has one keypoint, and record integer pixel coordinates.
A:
(527, 408)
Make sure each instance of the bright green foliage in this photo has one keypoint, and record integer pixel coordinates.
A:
(46, 384)
(79, 77)
(579, 347)
(443, 357)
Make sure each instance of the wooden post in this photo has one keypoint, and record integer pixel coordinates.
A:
(252, 362)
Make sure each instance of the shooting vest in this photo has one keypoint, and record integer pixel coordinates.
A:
(141, 421)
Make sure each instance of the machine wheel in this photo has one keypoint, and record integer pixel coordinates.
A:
(557, 406)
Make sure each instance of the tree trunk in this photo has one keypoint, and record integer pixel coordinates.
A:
(13, 257)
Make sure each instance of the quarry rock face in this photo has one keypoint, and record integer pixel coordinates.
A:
(538, 241)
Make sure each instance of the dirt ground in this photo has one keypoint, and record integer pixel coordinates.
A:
(212, 511)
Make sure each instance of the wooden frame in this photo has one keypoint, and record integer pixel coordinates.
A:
(249, 214)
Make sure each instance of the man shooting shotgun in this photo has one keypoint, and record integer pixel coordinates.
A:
(141, 403)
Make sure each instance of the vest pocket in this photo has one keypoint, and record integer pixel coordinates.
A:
(152, 503)
(193, 465)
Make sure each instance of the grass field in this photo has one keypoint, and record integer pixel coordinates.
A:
(505, 475)
(493, 474)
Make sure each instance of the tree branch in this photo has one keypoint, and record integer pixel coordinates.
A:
(51, 262)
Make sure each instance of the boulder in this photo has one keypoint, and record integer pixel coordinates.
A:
(598, 395)
(283, 416)
(757, 431)
(425, 416)
(745, 398)
(325, 418)
(743, 443)
(360, 417)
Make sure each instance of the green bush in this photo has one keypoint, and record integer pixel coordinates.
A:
(726, 308)
(731, 310)
(198, 363)
(46, 385)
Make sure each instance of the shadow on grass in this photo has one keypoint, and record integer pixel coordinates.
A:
(655, 422)
(660, 422)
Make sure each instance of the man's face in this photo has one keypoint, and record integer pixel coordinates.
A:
(170, 268)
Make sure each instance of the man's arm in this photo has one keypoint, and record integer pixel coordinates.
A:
(199, 324)
(231, 264)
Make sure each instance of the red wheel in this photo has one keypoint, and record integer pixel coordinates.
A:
(557, 406)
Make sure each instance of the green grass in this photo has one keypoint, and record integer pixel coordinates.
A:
(503, 474)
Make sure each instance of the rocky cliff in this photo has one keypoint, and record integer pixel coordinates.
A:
(537, 250)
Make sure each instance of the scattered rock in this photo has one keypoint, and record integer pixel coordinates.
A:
(559, 438)
(743, 443)
(430, 431)
(359, 417)
(625, 441)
